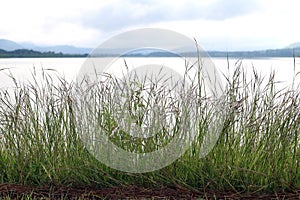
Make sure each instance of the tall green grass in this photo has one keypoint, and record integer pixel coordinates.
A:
(258, 148)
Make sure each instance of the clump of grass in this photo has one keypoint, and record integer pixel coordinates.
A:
(258, 148)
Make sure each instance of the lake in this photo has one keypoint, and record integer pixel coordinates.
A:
(23, 68)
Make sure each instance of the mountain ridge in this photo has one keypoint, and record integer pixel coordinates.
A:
(9, 45)
(67, 50)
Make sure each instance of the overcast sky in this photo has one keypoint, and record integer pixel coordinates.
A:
(216, 24)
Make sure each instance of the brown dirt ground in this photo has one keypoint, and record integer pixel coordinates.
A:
(131, 192)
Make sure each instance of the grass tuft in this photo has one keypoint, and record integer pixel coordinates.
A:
(258, 149)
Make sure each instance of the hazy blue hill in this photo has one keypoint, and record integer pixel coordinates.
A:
(294, 45)
(65, 49)
(9, 45)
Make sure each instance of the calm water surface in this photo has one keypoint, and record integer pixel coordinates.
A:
(24, 68)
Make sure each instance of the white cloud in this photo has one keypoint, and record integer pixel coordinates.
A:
(124, 13)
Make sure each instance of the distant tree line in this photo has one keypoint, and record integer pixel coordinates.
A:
(25, 53)
(255, 54)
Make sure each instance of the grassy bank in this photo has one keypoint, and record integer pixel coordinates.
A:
(258, 149)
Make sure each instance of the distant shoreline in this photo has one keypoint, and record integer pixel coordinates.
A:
(287, 52)
(25, 53)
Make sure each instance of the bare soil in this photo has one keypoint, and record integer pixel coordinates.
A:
(132, 192)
